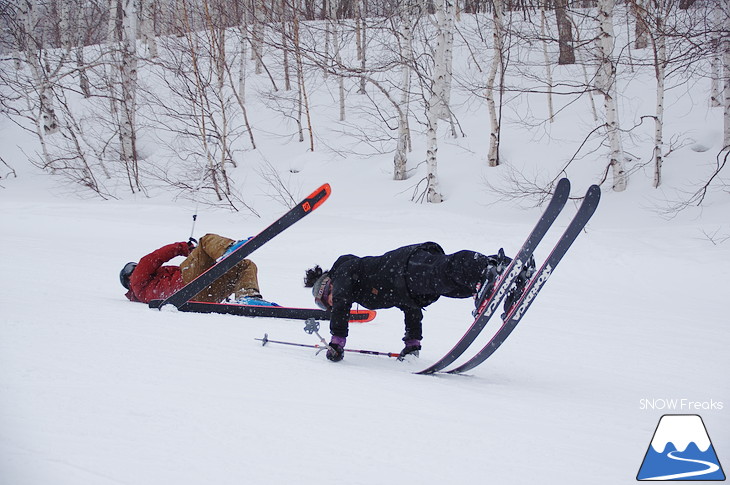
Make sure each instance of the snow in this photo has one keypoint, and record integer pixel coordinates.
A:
(97, 390)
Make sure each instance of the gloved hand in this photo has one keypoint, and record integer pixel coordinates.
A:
(192, 242)
(412, 347)
(336, 351)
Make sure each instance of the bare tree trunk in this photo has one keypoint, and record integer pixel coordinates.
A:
(128, 80)
(400, 160)
(361, 37)
(660, 64)
(606, 77)
(497, 52)
(640, 11)
(726, 62)
(436, 102)
(565, 33)
(303, 104)
(33, 53)
(716, 59)
(285, 44)
(548, 65)
(257, 47)
(147, 27)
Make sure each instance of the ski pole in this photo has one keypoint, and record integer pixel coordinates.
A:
(311, 326)
(320, 348)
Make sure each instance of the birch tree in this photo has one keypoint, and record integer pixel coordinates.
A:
(31, 43)
(498, 34)
(606, 84)
(716, 61)
(405, 48)
(128, 100)
(436, 101)
(659, 42)
(726, 64)
(147, 26)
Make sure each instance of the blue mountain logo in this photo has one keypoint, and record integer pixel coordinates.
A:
(681, 450)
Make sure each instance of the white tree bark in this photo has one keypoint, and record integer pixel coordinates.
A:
(548, 64)
(726, 65)
(128, 82)
(660, 64)
(444, 56)
(606, 79)
(147, 27)
(33, 50)
(716, 61)
(400, 160)
(497, 51)
(257, 46)
(435, 103)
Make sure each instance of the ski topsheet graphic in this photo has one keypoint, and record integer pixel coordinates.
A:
(681, 450)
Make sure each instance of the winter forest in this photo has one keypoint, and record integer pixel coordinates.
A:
(132, 96)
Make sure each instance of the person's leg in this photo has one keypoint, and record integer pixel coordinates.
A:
(245, 281)
(455, 275)
(464, 271)
(211, 247)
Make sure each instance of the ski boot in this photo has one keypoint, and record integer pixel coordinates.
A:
(496, 265)
(515, 292)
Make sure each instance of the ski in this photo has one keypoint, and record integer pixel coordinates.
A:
(266, 311)
(314, 200)
(537, 282)
(488, 302)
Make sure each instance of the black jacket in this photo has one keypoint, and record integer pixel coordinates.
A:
(379, 282)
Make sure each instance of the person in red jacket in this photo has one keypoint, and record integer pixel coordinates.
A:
(150, 279)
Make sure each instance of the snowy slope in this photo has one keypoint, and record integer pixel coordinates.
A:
(96, 390)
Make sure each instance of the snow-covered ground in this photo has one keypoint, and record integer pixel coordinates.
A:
(96, 390)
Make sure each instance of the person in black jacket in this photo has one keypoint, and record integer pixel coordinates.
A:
(408, 278)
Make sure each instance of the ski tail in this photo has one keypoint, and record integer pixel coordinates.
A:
(302, 209)
(487, 306)
(536, 283)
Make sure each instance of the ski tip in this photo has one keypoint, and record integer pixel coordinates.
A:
(362, 316)
(317, 197)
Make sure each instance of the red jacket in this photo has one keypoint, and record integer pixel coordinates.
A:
(152, 281)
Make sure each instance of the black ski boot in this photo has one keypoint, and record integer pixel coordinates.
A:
(515, 292)
(496, 265)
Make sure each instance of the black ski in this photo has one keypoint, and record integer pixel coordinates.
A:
(266, 311)
(305, 207)
(536, 283)
(488, 304)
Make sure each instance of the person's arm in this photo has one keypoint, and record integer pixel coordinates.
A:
(341, 305)
(145, 272)
(413, 318)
